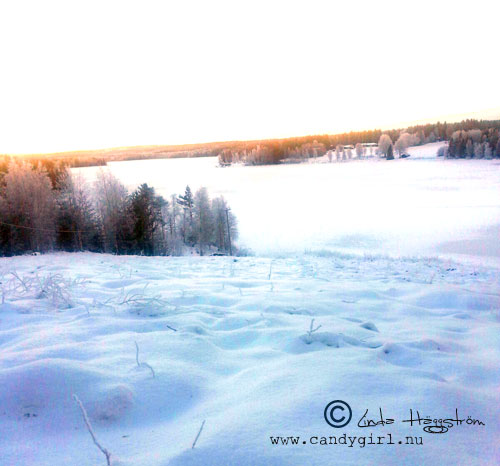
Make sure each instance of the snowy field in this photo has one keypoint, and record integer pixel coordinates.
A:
(397, 262)
(228, 343)
(423, 205)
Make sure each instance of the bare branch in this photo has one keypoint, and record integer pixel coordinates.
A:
(142, 364)
(198, 436)
(91, 431)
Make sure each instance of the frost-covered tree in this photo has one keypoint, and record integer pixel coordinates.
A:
(261, 155)
(172, 216)
(111, 201)
(5, 230)
(384, 143)
(186, 201)
(77, 226)
(403, 142)
(203, 220)
(339, 150)
(475, 135)
(225, 226)
(478, 150)
(360, 150)
(421, 137)
(442, 151)
(29, 204)
(431, 138)
(488, 153)
(469, 149)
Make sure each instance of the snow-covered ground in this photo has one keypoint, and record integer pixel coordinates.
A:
(413, 206)
(396, 261)
(227, 341)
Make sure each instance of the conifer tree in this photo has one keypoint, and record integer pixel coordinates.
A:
(203, 219)
(186, 202)
(146, 211)
(390, 153)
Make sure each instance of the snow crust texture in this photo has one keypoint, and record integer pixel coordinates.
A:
(230, 341)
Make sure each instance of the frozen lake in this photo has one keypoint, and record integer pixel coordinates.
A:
(418, 206)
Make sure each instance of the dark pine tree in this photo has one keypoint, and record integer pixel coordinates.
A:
(451, 149)
(390, 153)
(148, 222)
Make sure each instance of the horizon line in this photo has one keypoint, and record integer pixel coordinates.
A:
(453, 118)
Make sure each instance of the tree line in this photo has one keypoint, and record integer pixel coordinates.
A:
(268, 151)
(353, 144)
(41, 212)
(474, 143)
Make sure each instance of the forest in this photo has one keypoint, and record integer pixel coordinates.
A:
(43, 210)
(374, 142)
(267, 151)
(474, 143)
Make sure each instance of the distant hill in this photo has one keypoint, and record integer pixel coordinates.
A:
(280, 148)
(101, 156)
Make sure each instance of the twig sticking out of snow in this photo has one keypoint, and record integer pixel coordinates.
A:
(137, 353)
(312, 330)
(142, 364)
(145, 364)
(198, 436)
(91, 431)
(270, 270)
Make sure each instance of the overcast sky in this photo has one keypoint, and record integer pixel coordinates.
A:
(95, 74)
